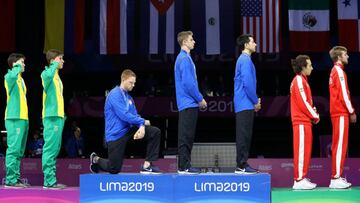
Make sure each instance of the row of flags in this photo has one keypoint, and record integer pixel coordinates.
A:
(213, 22)
(309, 25)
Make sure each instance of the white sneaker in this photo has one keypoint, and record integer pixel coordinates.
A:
(339, 183)
(303, 184)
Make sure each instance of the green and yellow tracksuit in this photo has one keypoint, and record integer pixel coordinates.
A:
(53, 121)
(16, 123)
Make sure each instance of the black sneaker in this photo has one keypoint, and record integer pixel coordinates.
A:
(24, 181)
(94, 167)
(246, 170)
(150, 170)
(17, 185)
(189, 171)
(56, 186)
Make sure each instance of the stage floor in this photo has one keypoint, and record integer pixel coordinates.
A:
(36, 194)
(318, 195)
(279, 195)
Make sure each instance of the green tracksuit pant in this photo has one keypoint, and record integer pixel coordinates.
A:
(17, 132)
(53, 128)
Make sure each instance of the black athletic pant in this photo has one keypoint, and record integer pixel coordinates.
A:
(186, 134)
(116, 149)
(244, 128)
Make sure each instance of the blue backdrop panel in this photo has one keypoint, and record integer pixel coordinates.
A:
(129, 188)
(224, 188)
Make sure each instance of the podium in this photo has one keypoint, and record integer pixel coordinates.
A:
(222, 187)
(130, 188)
(207, 187)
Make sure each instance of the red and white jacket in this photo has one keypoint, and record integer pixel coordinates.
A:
(301, 104)
(340, 103)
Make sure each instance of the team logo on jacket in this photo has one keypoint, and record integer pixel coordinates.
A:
(341, 78)
(130, 102)
(301, 89)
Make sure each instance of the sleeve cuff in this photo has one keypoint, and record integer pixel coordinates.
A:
(142, 123)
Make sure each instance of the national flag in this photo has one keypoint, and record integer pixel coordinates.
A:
(309, 25)
(74, 26)
(212, 22)
(261, 18)
(160, 22)
(65, 25)
(349, 24)
(116, 26)
(54, 25)
(7, 22)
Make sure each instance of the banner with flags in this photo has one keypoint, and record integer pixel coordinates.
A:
(212, 22)
(7, 22)
(349, 24)
(116, 26)
(160, 22)
(261, 18)
(309, 25)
